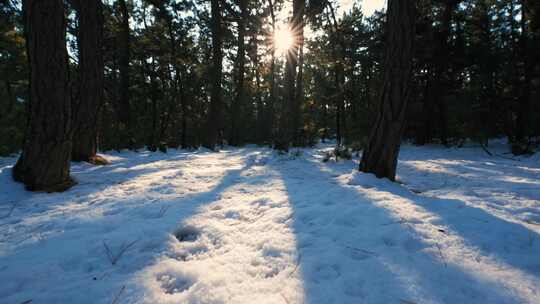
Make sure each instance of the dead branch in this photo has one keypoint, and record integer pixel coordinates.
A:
(117, 297)
(442, 256)
(13, 204)
(362, 250)
(162, 211)
(114, 257)
(297, 265)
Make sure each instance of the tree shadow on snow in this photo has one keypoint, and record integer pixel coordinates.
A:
(142, 226)
(506, 176)
(510, 243)
(352, 250)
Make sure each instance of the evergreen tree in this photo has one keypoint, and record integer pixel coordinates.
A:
(45, 161)
(90, 84)
(381, 153)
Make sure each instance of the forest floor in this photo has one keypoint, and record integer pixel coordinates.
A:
(250, 226)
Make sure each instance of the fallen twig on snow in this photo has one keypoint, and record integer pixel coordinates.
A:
(402, 221)
(506, 157)
(532, 237)
(496, 154)
(163, 210)
(117, 297)
(442, 256)
(297, 264)
(113, 258)
(13, 204)
(362, 250)
(486, 149)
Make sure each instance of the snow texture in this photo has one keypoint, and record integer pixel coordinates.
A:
(251, 226)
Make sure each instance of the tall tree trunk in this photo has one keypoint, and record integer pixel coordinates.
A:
(338, 54)
(425, 134)
(239, 101)
(299, 7)
(171, 69)
(380, 155)
(438, 79)
(285, 134)
(487, 68)
(523, 119)
(296, 124)
(124, 58)
(290, 110)
(261, 130)
(45, 160)
(184, 108)
(154, 96)
(11, 100)
(324, 135)
(214, 122)
(86, 109)
(270, 112)
(443, 58)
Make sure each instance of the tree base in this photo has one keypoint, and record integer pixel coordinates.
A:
(56, 188)
(521, 148)
(30, 186)
(98, 160)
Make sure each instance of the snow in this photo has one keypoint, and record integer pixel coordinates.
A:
(251, 226)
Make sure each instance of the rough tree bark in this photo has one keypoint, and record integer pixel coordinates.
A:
(214, 121)
(45, 160)
(90, 94)
(380, 155)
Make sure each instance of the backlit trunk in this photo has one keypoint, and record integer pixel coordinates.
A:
(381, 154)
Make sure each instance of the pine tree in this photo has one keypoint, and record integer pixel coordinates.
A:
(289, 122)
(45, 161)
(124, 52)
(90, 93)
(380, 155)
(214, 120)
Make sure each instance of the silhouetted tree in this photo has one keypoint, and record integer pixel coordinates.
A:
(45, 161)
(381, 153)
(90, 84)
(214, 121)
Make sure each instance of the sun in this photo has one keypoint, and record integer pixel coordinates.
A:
(283, 40)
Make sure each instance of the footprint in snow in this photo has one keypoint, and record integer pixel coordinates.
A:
(234, 215)
(216, 207)
(187, 234)
(172, 284)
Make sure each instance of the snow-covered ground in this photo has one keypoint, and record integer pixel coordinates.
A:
(249, 226)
